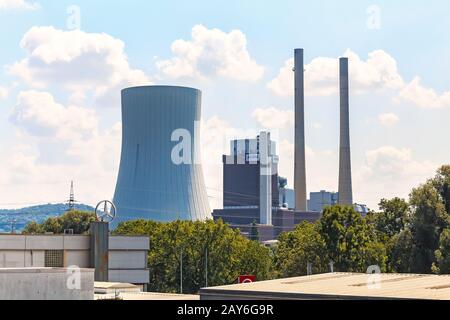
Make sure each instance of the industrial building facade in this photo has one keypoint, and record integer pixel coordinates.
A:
(159, 180)
(243, 194)
(127, 255)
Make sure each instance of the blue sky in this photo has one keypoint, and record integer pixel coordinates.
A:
(398, 128)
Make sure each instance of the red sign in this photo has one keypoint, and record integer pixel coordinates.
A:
(246, 279)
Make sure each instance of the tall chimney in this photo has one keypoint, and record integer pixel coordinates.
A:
(345, 167)
(300, 162)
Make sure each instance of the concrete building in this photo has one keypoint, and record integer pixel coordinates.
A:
(160, 176)
(338, 286)
(301, 203)
(127, 255)
(243, 195)
(249, 171)
(319, 200)
(46, 284)
(345, 167)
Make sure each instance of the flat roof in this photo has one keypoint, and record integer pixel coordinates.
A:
(338, 286)
(147, 296)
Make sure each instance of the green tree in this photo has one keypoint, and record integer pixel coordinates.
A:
(442, 184)
(350, 240)
(442, 264)
(33, 228)
(254, 233)
(428, 220)
(394, 216)
(296, 248)
(400, 247)
(78, 221)
(202, 246)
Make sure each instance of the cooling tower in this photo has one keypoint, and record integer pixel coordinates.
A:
(345, 167)
(299, 161)
(160, 177)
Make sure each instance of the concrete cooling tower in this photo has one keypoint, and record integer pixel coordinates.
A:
(160, 177)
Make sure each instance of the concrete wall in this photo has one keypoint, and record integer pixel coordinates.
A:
(44, 284)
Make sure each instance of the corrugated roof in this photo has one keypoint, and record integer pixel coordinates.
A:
(343, 286)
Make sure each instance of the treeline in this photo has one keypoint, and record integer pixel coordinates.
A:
(75, 220)
(405, 236)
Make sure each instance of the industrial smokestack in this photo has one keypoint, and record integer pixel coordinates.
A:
(345, 167)
(300, 162)
(265, 179)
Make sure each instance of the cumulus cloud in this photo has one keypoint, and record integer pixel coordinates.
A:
(57, 144)
(388, 119)
(212, 52)
(424, 97)
(390, 172)
(274, 118)
(80, 62)
(3, 92)
(40, 115)
(18, 5)
(378, 72)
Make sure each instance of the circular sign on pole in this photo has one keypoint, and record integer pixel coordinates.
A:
(107, 213)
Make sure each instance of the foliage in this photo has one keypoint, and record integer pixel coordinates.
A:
(392, 219)
(254, 233)
(428, 221)
(229, 254)
(78, 221)
(400, 247)
(351, 242)
(297, 248)
(442, 264)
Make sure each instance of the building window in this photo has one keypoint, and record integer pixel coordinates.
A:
(54, 258)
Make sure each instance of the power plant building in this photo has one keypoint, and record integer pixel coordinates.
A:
(160, 176)
(248, 187)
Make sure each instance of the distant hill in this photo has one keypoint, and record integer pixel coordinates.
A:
(21, 217)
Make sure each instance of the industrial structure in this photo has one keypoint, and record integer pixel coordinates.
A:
(345, 167)
(319, 200)
(251, 190)
(160, 176)
(301, 203)
(247, 193)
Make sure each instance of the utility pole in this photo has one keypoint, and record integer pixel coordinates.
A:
(206, 267)
(181, 272)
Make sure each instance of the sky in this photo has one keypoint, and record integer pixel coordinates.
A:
(63, 64)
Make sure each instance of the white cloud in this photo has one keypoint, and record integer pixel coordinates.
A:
(40, 115)
(388, 119)
(80, 62)
(212, 52)
(274, 118)
(378, 72)
(415, 93)
(57, 144)
(18, 5)
(390, 172)
(3, 92)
